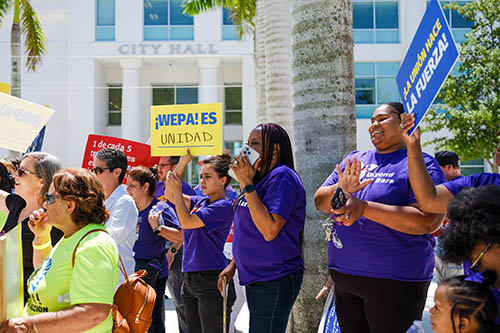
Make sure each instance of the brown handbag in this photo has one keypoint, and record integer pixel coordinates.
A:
(133, 302)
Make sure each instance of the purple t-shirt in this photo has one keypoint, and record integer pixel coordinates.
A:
(160, 192)
(148, 245)
(371, 249)
(481, 179)
(258, 260)
(204, 247)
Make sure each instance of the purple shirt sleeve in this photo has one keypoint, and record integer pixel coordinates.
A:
(213, 215)
(456, 185)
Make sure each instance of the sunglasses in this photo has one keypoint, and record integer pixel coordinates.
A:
(51, 198)
(99, 170)
(475, 263)
(21, 172)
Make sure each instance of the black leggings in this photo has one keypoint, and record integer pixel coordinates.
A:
(375, 305)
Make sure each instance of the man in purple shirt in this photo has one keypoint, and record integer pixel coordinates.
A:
(174, 254)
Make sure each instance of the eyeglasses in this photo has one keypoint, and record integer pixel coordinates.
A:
(22, 171)
(51, 198)
(99, 170)
(475, 263)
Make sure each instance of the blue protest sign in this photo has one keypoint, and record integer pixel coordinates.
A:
(428, 62)
(37, 142)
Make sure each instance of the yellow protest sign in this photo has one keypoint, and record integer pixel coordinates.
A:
(4, 88)
(20, 122)
(177, 127)
(11, 274)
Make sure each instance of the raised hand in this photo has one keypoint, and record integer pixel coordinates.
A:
(39, 224)
(243, 170)
(407, 123)
(349, 179)
(185, 159)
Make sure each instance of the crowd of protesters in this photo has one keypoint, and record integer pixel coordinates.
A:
(76, 225)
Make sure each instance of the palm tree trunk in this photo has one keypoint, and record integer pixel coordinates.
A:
(260, 63)
(15, 55)
(278, 63)
(325, 125)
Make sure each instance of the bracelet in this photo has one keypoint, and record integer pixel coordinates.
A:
(34, 326)
(42, 246)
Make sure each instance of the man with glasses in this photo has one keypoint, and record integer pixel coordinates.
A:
(110, 166)
(473, 234)
(174, 254)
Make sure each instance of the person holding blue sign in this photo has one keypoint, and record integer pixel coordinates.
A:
(206, 222)
(382, 256)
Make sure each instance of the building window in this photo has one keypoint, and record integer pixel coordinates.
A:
(170, 95)
(105, 27)
(375, 21)
(459, 25)
(114, 105)
(232, 105)
(228, 28)
(375, 84)
(164, 20)
(471, 167)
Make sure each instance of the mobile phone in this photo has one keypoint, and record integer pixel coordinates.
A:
(338, 199)
(252, 156)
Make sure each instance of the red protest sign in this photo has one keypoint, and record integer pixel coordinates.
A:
(137, 153)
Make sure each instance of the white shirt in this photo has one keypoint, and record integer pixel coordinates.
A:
(121, 225)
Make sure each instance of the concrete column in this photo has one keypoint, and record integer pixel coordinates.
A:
(208, 88)
(131, 99)
(248, 95)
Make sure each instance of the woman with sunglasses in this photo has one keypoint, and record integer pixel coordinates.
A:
(73, 285)
(31, 181)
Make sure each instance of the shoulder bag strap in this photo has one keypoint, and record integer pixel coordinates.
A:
(76, 247)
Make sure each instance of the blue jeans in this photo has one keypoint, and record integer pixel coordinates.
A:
(270, 302)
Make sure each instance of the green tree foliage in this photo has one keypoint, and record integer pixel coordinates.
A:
(243, 11)
(470, 102)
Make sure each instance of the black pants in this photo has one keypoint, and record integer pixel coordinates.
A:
(374, 305)
(203, 302)
(174, 284)
(158, 284)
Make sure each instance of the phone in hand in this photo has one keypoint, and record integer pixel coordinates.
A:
(339, 199)
(251, 154)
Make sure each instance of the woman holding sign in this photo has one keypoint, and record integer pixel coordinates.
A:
(206, 222)
(268, 229)
(31, 181)
(380, 251)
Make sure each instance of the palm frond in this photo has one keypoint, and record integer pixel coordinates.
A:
(34, 44)
(195, 7)
(4, 8)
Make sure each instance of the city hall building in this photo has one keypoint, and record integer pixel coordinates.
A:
(108, 61)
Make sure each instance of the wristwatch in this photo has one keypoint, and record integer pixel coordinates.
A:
(157, 230)
(248, 189)
(173, 250)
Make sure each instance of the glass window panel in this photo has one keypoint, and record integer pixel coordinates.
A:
(458, 21)
(105, 12)
(233, 98)
(364, 111)
(229, 33)
(387, 36)
(473, 162)
(186, 95)
(471, 171)
(176, 15)
(386, 15)
(234, 147)
(104, 33)
(365, 83)
(226, 16)
(114, 98)
(163, 96)
(114, 118)
(233, 118)
(363, 36)
(364, 68)
(155, 12)
(455, 71)
(362, 15)
(387, 68)
(155, 33)
(182, 33)
(459, 34)
(387, 90)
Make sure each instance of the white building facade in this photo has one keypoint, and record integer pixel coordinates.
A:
(108, 61)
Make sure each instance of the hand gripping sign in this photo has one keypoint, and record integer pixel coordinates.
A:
(20, 122)
(177, 127)
(428, 62)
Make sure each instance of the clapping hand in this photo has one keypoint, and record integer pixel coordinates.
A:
(349, 179)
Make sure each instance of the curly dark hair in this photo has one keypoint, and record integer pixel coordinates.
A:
(473, 300)
(474, 219)
(82, 187)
